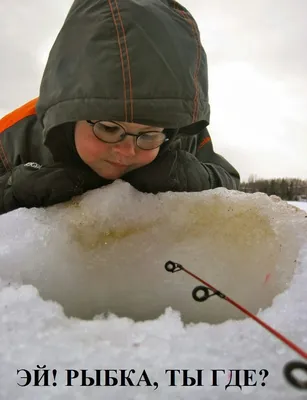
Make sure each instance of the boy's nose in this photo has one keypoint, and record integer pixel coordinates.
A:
(126, 147)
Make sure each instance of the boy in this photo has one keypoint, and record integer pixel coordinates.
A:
(123, 95)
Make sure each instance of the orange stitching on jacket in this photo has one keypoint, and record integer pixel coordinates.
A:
(196, 98)
(128, 61)
(203, 142)
(121, 58)
(196, 36)
(175, 5)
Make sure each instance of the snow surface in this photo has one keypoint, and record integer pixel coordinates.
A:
(83, 286)
(301, 204)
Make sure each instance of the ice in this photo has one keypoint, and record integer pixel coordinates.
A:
(83, 286)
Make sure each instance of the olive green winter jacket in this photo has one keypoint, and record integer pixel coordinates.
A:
(123, 60)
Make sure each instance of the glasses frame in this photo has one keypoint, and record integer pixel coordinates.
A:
(123, 136)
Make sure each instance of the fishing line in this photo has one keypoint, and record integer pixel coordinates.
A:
(203, 293)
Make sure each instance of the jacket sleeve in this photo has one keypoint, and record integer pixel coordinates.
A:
(7, 201)
(219, 172)
(32, 185)
(187, 165)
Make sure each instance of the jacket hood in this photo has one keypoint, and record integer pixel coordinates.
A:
(126, 60)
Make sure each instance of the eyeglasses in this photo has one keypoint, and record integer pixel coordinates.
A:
(113, 132)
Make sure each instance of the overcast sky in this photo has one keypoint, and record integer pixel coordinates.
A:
(257, 74)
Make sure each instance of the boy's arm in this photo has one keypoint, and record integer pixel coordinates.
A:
(32, 185)
(5, 201)
(223, 173)
(189, 165)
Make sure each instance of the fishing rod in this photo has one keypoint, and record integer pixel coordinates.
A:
(205, 291)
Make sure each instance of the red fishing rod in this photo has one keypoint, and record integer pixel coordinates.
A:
(202, 293)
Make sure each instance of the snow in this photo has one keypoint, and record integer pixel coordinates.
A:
(83, 287)
(301, 204)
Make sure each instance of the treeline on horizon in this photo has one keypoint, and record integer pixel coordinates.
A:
(286, 188)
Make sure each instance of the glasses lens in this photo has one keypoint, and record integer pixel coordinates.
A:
(108, 131)
(111, 132)
(150, 140)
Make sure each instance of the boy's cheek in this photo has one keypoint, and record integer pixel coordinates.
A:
(91, 152)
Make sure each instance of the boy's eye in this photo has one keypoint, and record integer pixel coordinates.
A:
(152, 135)
(108, 128)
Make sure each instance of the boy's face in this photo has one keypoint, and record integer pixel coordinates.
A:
(113, 160)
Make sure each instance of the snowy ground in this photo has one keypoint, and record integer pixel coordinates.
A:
(62, 269)
(302, 205)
